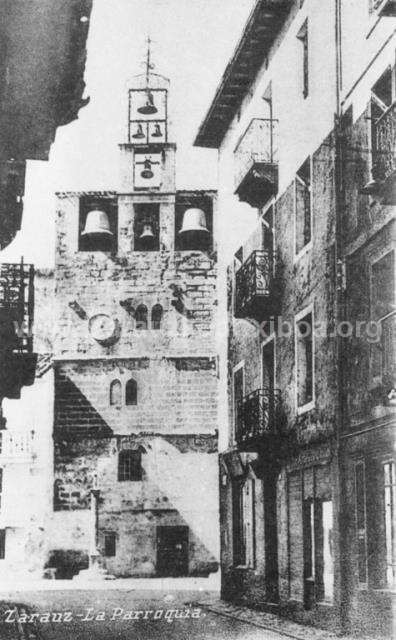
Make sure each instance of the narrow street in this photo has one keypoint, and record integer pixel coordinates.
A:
(106, 615)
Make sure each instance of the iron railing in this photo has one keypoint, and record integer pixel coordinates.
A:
(17, 302)
(253, 281)
(256, 145)
(384, 152)
(256, 416)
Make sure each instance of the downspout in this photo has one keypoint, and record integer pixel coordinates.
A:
(339, 317)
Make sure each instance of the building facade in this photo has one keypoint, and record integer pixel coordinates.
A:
(306, 177)
(135, 367)
(124, 452)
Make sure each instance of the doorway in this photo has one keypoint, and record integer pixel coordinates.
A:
(172, 551)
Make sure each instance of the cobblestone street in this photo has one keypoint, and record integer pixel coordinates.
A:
(127, 614)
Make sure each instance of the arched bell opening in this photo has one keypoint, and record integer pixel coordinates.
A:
(193, 224)
(97, 225)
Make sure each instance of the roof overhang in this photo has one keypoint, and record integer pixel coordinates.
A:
(263, 26)
(42, 63)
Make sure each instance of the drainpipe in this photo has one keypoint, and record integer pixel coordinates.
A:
(340, 316)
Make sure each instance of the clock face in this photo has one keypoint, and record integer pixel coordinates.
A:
(103, 329)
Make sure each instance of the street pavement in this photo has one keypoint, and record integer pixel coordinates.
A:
(120, 615)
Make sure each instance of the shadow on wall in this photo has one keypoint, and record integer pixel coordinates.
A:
(157, 526)
(74, 414)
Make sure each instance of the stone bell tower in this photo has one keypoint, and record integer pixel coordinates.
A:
(135, 427)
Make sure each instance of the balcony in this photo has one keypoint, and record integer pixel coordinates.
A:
(384, 154)
(254, 287)
(256, 423)
(385, 8)
(17, 360)
(256, 165)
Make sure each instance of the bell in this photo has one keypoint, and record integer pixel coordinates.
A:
(157, 132)
(194, 221)
(147, 237)
(97, 222)
(372, 188)
(147, 173)
(147, 233)
(139, 132)
(149, 107)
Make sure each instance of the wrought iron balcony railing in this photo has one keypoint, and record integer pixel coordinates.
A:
(256, 163)
(385, 7)
(384, 152)
(257, 417)
(17, 304)
(254, 286)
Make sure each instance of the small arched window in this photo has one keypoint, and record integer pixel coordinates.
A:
(131, 392)
(141, 317)
(115, 393)
(156, 316)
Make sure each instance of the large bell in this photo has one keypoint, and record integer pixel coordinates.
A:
(194, 233)
(147, 172)
(97, 223)
(372, 188)
(148, 108)
(139, 132)
(157, 132)
(194, 221)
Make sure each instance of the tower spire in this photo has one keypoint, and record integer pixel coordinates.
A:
(148, 63)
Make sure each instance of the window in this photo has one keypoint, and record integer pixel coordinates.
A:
(156, 316)
(360, 507)
(2, 543)
(303, 206)
(141, 317)
(131, 392)
(109, 544)
(303, 37)
(244, 523)
(390, 533)
(304, 360)
(382, 307)
(238, 389)
(115, 393)
(129, 466)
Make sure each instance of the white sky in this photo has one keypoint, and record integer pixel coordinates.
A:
(193, 41)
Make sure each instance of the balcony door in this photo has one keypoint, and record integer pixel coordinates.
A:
(268, 366)
(238, 392)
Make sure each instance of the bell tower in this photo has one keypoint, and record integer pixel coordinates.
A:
(135, 359)
(148, 158)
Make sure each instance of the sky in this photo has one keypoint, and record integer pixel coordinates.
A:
(192, 43)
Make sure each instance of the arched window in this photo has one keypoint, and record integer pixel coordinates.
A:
(131, 392)
(156, 316)
(141, 317)
(115, 393)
